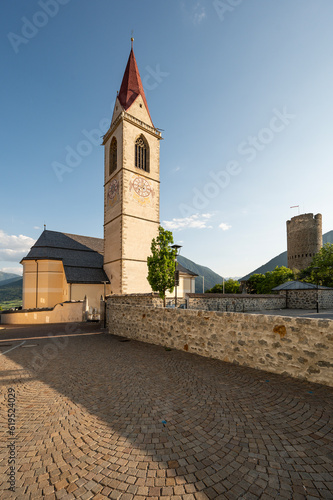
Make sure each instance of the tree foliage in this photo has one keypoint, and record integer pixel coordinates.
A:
(263, 283)
(321, 268)
(230, 286)
(161, 264)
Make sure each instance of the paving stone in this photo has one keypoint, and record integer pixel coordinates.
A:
(91, 426)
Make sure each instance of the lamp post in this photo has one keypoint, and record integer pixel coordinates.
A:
(177, 248)
(104, 303)
(316, 269)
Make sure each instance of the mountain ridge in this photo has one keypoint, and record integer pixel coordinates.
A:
(282, 259)
(210, 277)
(8, 276)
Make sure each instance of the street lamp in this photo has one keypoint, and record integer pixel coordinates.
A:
(177, 248)
(316, 269)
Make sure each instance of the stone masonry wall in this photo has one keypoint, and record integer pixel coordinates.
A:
(235, 302)
(326, 299)
(304, 239)
(301, 348)
(136, 299)
(307, 299)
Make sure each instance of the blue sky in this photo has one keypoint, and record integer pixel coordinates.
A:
(241, 89)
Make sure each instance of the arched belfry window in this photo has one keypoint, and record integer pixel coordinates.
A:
(142, 153)
(113, 156)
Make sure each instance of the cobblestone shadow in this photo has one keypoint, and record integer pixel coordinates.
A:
(108, 418)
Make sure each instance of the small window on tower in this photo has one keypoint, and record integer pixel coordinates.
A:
(142, 153)
(113, 156)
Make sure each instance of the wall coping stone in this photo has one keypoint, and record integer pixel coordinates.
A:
(232, 295)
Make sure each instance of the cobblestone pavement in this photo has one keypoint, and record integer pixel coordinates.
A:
(100, 417)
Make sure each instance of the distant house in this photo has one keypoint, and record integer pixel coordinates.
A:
(186, 282)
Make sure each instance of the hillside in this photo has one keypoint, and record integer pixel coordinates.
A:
(11, 294)
(328, 237)
(7, 277)
(211, 278)
(281, 260)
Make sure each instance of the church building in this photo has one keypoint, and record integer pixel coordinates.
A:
(63, 267)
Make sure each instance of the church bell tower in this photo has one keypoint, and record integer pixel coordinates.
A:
(131, 186)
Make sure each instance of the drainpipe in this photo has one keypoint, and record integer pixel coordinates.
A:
(36, 283)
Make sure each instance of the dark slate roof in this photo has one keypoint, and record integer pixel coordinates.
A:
(82, 256)
(299, 285)
(183, 269)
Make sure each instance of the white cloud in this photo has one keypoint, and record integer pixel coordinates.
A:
(199, 13)
(196, 221)
(37, 227)
(13, 270)
(224, 226)
(14, 248)
(194, 13)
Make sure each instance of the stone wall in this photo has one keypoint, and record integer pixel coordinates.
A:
(307, 299)
(235, 302)
(136, 299)
(301, 348)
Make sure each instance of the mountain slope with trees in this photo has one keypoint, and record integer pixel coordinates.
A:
(8, 277)
(11, 294)
(210, 277)
(282, 260)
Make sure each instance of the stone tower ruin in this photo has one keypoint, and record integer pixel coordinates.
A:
(304, 240)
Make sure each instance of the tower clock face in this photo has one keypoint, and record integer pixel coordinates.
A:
(142, 187)
(113, 189)
(142, 190)
(113, 193)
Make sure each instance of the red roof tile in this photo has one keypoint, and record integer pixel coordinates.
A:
(131, 86)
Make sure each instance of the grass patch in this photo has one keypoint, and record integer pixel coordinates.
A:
(8, 304)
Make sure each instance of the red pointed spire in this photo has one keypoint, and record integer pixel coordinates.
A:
(131, 86)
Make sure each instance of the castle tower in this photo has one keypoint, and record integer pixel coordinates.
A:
(304, 240)
(131, 186)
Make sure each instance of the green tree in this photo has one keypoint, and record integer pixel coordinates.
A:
(263, 283)
(321, 268)
(255, 282)
(161, 264)
(230, 286)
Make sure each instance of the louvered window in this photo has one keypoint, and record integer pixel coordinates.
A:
(142, 153)
(113, 156)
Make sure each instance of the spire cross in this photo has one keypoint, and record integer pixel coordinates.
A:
(132, 39)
